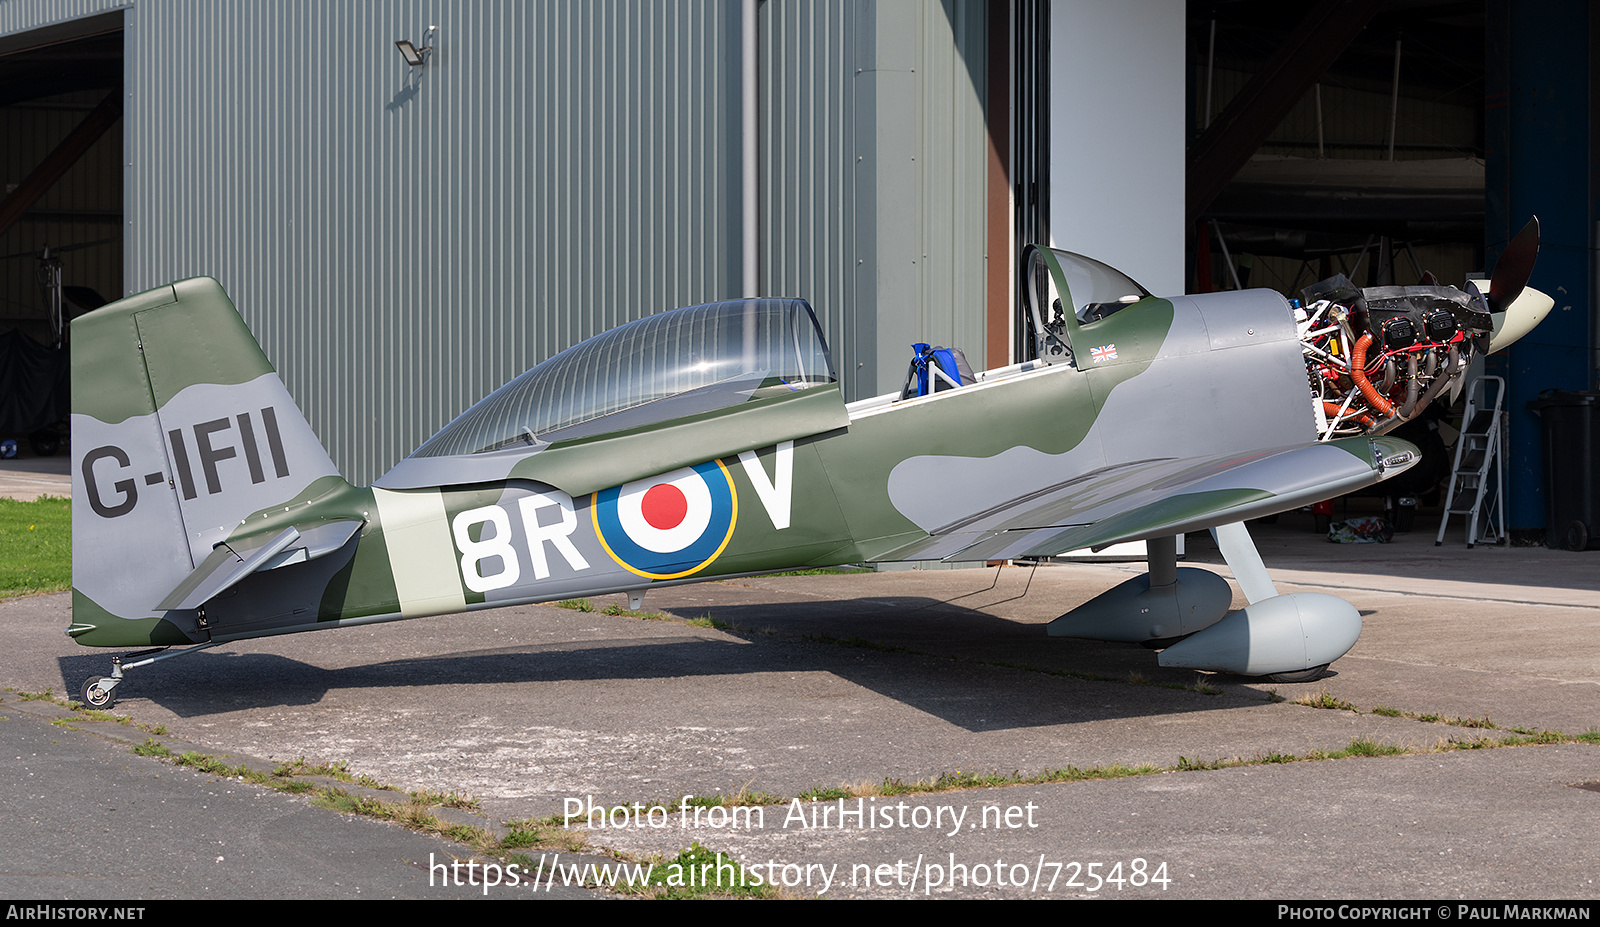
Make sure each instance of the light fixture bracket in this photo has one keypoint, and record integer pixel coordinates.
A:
(414, 56)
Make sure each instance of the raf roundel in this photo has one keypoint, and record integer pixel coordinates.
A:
(668, 526)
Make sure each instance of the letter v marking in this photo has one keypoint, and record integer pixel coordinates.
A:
(774, 493)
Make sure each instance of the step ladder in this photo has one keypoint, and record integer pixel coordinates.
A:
(1477, 476)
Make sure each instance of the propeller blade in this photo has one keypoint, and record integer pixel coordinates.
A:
(1515, 267)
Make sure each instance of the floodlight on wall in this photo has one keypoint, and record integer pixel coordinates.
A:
(414, 56)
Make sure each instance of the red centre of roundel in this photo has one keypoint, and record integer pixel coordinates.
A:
(664, 506)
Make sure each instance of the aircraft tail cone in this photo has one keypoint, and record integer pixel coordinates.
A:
(1135, 611)
(1283, 634)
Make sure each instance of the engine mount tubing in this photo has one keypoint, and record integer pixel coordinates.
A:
(1333, 410)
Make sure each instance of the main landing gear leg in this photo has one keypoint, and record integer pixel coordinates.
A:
(100, 691)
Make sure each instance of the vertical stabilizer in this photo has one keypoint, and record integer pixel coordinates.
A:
(180, 430)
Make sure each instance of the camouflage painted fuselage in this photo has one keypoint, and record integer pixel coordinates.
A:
(205, 509)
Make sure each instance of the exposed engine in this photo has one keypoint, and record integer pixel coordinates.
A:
(1377, 357)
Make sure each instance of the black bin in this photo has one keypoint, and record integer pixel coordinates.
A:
(1571, 467)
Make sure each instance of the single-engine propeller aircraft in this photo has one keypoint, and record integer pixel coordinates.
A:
(713, 441)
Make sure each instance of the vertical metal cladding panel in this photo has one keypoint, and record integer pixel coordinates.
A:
(816, 236)
(404, 240)
(955, 56)
(872, 154)
(931, 72)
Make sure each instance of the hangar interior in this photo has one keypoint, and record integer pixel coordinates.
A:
(1376, 171)
(1384, 140)
(61, 215)
(405, 239)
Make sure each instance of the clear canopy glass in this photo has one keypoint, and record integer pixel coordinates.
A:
(660, 367)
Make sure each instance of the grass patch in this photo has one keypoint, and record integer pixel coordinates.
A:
(826, 793)
(548, 834)
(94, 714)
(696, 872)
(411, 814)
(619, 611)
(584, 605)
(336, 770)
(1325, 699)
(203, 763)
(35, 546)
(520, 838)
(741, 798)
(961, 779)
(823, 571)
(152, 747)
(1366, 746)
(704, 621)
(454, 800)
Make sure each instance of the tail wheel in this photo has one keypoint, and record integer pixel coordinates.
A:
(94, 696)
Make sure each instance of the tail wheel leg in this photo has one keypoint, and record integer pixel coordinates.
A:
(100, 691)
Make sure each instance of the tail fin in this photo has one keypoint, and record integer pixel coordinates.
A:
(181, 429)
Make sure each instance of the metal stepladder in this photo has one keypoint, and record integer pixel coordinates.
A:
(1478, 473)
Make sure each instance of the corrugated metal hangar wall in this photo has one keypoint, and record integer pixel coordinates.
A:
(403, 240)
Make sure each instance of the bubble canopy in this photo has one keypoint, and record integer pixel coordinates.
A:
(669, 365)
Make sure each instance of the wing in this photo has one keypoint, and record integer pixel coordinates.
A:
(1163, 497)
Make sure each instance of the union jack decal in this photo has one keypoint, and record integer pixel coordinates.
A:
(1103, 353)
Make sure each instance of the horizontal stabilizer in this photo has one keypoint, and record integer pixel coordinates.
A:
(232, 561)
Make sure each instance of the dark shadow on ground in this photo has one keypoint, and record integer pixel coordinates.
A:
(968, 668)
